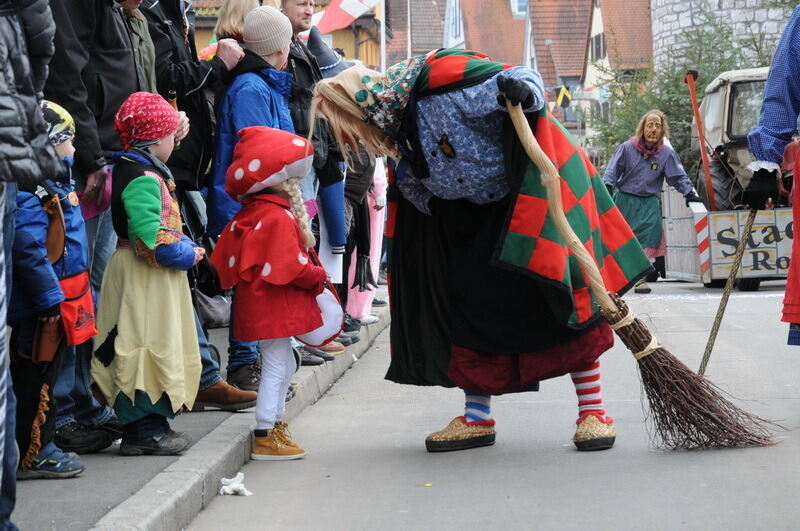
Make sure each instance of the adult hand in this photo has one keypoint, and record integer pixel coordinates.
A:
(183, 127)
(95, 183)
(517, 92)
(230, 52)
(692, 197)
(762, 187)
(199, 253)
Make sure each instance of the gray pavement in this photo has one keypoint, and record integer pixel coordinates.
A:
(367, 467)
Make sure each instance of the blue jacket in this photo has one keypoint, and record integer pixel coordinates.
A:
(258, 95)
(35, 287)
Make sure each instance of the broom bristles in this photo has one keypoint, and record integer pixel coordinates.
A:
(684, 409)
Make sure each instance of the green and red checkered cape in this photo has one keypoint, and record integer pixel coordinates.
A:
(531, 244)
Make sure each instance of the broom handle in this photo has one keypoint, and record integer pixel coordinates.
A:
(551, 181)
(723, 303)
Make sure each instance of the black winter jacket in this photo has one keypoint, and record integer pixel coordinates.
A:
(93, 72)
(179, 70)
(26, 44)
(303, 66)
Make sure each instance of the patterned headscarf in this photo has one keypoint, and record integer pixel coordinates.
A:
(381, 99)
(145, 117)
(60, 125)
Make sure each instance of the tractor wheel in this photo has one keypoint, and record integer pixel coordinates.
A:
(748, 284)
(722, 181)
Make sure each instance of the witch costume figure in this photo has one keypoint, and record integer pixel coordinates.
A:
(484, 293)
(637, 170)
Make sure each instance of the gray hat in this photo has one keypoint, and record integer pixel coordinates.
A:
(266, 31)
(330, 63)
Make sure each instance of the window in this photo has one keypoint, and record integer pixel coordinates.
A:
(744, 108)
(519, 8)
(597, 47)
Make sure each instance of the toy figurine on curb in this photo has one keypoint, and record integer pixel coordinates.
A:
(484, 294)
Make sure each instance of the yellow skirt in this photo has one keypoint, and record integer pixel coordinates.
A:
(155, 350)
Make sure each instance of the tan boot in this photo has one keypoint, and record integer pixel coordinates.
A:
(461, 434)
(281, 431)
(594, 433)
(271, 448)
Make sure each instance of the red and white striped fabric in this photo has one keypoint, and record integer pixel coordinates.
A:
(341, 13)
(587, 386)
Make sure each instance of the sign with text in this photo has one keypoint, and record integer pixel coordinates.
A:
(769, 244)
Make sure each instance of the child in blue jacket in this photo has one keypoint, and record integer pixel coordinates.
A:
(51, 303)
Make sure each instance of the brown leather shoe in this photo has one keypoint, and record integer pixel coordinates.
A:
(334, 347)
(223, 396)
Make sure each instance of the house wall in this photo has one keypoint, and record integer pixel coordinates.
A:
(671, 17)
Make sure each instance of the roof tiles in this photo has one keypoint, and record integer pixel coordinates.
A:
(629, 35)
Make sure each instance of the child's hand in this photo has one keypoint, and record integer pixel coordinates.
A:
(199, 253)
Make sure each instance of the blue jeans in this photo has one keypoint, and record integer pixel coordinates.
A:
(210, 374)
(102, 242)
(8, 486)
(73, 392)
(240, 353)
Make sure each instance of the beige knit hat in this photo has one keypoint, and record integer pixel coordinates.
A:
(266, 31)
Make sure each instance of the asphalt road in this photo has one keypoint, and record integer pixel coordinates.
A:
(367, 467)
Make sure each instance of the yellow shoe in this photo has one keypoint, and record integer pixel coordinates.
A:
(594, 433)
(461, 434)
(271, 448)
(281, 431)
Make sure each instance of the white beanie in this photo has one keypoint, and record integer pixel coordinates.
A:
(266, 31)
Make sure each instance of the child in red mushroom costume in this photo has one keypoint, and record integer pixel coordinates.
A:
(264, 252)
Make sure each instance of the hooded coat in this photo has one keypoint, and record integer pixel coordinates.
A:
(257, 94)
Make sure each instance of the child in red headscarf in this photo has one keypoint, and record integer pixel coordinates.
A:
(264, 252)
(147, 360)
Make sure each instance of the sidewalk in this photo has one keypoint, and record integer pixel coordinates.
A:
(156, 493)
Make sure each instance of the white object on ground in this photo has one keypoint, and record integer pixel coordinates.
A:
(234, 486)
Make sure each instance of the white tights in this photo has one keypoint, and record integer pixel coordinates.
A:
(277, 368)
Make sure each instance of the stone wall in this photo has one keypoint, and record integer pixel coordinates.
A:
(671, 17)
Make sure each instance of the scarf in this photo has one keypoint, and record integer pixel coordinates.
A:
(642, 148)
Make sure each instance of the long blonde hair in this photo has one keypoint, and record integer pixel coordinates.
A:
(347, 121)
(230, 22)
(292, 189)
(643, 119)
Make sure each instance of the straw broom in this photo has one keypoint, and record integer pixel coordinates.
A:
(684, 410)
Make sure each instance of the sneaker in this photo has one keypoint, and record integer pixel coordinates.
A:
(74, 437)
(461, 434)
(113, 427)
(246, 378)
(351, 324)
(594, 433)
(307, 359)
(642, 287)
(56, 465)
(281, 431)
(272, 448)
(349, 338)
(379, 303)
(224, 397)
(168, 443)
(370, 319)
(318, 353)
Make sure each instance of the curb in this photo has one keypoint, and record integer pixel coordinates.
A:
(173, 498)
